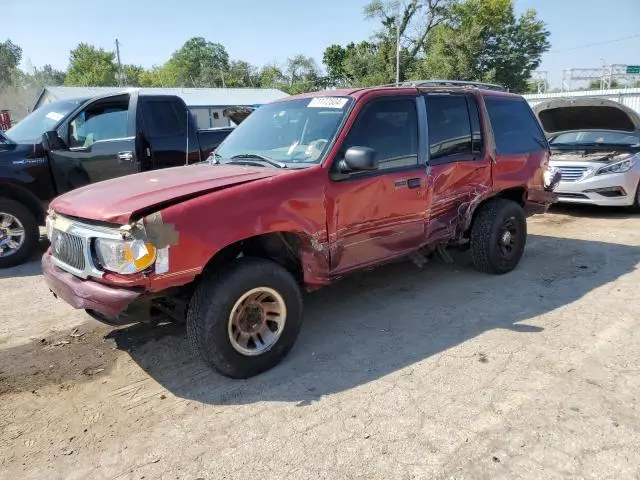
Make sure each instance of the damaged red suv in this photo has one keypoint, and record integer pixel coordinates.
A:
(305, 191)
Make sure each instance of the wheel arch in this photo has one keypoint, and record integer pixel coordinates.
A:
(515, 194)
(299, 252)
(25, 197)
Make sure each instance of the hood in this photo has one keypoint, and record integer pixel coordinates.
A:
(237, 114)
(121, 199)
(585, 113)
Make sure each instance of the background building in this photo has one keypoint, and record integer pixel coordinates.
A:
(206, 104)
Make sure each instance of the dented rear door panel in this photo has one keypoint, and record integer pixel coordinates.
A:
(458, 181)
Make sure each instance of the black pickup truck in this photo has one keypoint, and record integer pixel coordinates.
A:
(69, 144)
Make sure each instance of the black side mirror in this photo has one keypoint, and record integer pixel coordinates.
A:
(51, 141)
(357, 159)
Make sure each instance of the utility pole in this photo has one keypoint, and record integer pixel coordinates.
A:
(398, 22)
(119, 63)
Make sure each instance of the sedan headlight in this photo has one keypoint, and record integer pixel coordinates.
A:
(124, 256)
(618, 167)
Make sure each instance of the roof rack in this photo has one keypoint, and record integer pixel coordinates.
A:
(447, 83)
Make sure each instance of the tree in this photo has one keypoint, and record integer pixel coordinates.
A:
(132, 75)
(483, 40)
(271, 76)
(91, 66)
(199, 63)
(596, 85)
(333, 58)
(159, 76)
(303, 74)
(415, 19)
(10, 57)
(241, 74)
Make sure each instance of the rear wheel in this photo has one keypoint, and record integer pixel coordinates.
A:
(244, 320)
(19, 233)
(498, 236)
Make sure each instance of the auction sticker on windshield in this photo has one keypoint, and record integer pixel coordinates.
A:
(56, 117)
(327, 102)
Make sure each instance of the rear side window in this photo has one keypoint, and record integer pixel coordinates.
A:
(515, 128)
(454, 127)
(161, 119)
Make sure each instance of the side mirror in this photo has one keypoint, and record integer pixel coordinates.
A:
(51, 141)
(358, 159)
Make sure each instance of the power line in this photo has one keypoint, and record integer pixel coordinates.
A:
(595, 44)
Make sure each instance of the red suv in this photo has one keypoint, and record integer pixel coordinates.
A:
(305, 191)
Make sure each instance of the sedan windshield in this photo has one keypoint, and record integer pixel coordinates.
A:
(45, 118)
(288, 132)
(596, 136)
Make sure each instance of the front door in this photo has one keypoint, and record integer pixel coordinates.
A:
(100, 143)
(379, 215)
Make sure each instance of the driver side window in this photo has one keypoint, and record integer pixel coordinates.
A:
(106, 121)
(390, 127)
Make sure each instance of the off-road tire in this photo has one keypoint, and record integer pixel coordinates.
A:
(31, 229)
(485, 236)
(211, 305)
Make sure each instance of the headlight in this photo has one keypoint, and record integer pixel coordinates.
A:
(124, 256)
(618, 167)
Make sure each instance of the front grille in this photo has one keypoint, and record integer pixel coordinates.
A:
(68, 249)
(571, 174)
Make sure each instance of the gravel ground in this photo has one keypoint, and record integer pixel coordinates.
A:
(439, 373)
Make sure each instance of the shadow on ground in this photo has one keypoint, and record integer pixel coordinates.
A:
(30, 268)
(372, 324)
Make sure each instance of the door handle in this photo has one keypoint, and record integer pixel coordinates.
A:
(125, 157)
(414, 183)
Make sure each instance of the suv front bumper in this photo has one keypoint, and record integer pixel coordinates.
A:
(89, 295)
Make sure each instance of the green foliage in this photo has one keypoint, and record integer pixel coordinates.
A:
(91, 66)
(132, 75)
(199, 63)
(595, 84)
(10, 56)
(241, 74)
(482, 40)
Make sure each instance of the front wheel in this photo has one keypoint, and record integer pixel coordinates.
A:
(19, 233)
(498, 236)
(244, 320)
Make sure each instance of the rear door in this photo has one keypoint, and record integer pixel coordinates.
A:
(168, 131)
(459, 168)
(100, 143)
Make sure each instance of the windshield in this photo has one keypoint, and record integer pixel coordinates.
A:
(293, 131)
(596, 136)
(45, 118)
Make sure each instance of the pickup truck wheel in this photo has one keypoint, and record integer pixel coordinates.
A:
(244, 320)
(498, 236)
(19, 233)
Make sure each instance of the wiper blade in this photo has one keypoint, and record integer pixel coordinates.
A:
(253, 156)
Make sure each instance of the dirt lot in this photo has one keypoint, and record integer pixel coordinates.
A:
(440, 373)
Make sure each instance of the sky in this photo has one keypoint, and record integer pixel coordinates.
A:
(584, 33)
